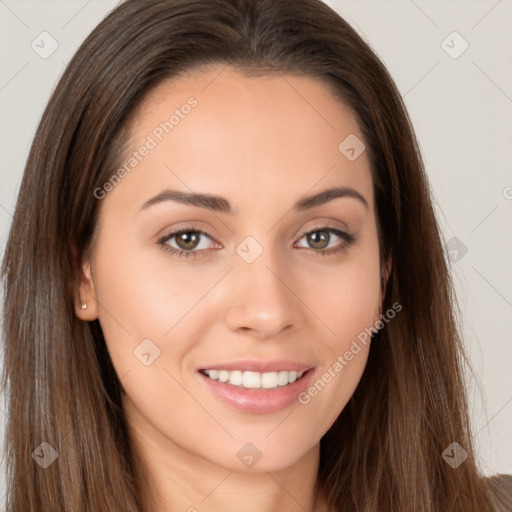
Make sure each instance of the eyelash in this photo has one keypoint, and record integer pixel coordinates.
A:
(348, 240)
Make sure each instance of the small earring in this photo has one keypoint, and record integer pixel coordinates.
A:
(83, 305)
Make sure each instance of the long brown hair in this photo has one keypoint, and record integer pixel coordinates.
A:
(384, 452)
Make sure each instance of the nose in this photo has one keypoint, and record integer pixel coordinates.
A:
(262, 301)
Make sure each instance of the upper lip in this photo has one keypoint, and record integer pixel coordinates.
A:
(259, 366)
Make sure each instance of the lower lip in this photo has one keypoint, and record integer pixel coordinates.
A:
(259, 400)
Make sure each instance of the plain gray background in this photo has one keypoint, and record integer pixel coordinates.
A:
(460, 103)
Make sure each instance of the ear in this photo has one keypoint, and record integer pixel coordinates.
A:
(386, 271)
(86, 295)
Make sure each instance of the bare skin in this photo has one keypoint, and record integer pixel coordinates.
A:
(263, 147)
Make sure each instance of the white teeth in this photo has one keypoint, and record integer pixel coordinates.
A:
(236, 378)
(282, 378)
(214, 374)
(255, 380)
(250, 380)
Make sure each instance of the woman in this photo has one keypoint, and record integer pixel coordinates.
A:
(224, 283)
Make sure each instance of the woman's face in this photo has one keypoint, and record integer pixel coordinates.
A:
(269, 278)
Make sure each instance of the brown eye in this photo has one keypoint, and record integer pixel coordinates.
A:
(187, 240)
(318, 239)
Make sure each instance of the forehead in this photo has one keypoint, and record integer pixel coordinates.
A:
(243, 136)
(227, 96)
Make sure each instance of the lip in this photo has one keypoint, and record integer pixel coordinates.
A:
(258, 401)
(260, 366)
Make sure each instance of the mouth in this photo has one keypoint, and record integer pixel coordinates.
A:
(256, 392)
(254, 380)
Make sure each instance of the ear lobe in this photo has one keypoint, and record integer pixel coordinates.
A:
(86, 296)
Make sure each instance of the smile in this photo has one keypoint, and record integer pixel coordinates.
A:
(254, 380)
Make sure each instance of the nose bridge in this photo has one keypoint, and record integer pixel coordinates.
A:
(262, 300)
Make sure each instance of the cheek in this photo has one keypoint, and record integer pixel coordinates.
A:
(142, 311)
(349, 305)
(347, 296)
(144, 295)
(333, 386)
(130, 308)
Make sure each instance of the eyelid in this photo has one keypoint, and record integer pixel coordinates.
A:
(325, 223)
(321, 227)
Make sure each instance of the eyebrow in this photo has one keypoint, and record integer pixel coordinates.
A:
(222, 205)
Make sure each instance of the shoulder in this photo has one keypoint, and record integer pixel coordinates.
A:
(500, 487)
